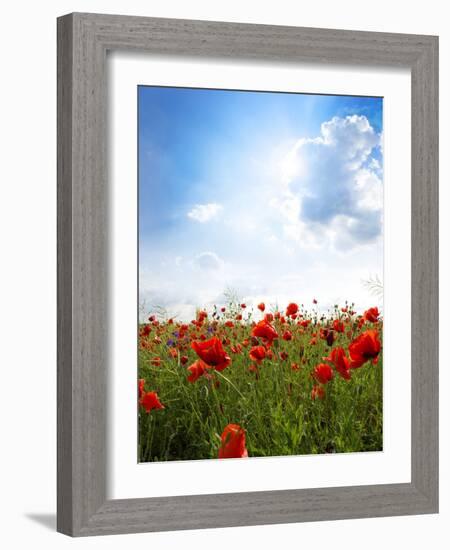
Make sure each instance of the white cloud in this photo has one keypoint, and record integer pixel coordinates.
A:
(204, 212)
(208, 260)
(336, 199)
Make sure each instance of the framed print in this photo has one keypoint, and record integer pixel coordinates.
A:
(247, 274)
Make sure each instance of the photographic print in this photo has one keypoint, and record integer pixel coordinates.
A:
(260, 235)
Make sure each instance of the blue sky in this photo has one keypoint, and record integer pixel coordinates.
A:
(277, 196)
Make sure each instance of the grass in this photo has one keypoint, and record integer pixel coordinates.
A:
(272, 402)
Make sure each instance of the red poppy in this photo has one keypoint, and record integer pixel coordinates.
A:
(262, 306)
(295, 366)
(323, 373)
(314, 301)
(233, 442)
(283, 356)
(145, 330)
(291, 309)
(338, 325)
(268, 317)
(257, 353)
(156, 361)
(340, 361)
(229, 324)
(287, 335)
(364, 348)
(222, 309)
(201, 316)
(173, 352)
(150, 400)
(184, 359)
(236, 349)
(212, 353)
(141, 385)
(196, 370)
(243, 306)
(238, 317)
(317, 392)
(371, 315)
(265, 330)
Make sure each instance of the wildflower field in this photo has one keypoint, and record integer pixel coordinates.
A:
(242, 381)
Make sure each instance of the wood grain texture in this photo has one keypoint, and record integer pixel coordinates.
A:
(83, 232)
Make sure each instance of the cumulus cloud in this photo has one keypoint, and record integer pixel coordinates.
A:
(337, 196)
(208, 261)
(204, 212)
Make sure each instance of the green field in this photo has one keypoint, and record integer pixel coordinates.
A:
(315, 387)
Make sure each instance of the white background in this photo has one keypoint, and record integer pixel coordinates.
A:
(28, 299)
(127, 479)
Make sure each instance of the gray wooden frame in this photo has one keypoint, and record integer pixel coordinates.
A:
(83, 40)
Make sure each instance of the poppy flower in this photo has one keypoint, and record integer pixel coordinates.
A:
(196, 370)
(145, 330)
(262, 306)
(212, 353)
(371, 315)
(243, 306)
(233, 442)
(323, 373)
(222, 309)
(314, 301)
(295, 366)
(156, 361)
(283, 356)
(268, 317)
(141, 385)
(292, 309)
(287, 335)
(238, 317)
(257, 353)
(265, 330)
(340, 362)
(150, 400)
(201, 316)
(364, 348)
(229, 324)
(236, 349)
(338, 325)
(317, 392)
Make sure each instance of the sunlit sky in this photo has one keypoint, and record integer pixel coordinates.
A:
(276, 196)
